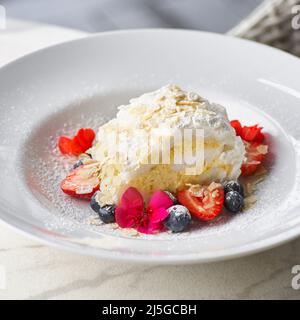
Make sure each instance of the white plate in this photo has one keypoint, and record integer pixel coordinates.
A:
(80, 83)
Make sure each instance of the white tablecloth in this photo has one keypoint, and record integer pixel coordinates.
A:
(37, 271)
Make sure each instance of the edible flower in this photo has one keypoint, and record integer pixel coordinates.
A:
(131, 212)
(249, 134)
(78, 144)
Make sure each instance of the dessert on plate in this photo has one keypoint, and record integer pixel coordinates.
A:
(167, 156)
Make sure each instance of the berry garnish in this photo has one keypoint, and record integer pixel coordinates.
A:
(106, 212)
(81, 142)
(234, 186)
(178, 219)
(249, 134)
(94, 203)
(203, 202)
(81, 182)
(234, 201)
(255, 155)
(255, 149)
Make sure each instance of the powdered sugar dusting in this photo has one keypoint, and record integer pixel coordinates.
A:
(44, 168)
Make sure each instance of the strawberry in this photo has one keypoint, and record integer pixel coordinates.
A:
(81, 142)
(252, 134)
(255, 149)
(249, 134)
(81, 182)
(255, 155)
(204, 203)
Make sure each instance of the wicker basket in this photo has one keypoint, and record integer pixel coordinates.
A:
(275, 23)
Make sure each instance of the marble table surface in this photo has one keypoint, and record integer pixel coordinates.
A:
(36, 271)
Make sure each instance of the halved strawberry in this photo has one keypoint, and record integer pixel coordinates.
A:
(81, 182)
(252, 134)
(255, 155)
(204, 203)
(81, 142)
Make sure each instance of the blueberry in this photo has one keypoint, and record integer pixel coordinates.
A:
(171, 196)
(77, 164)
(178, 219)
(234, 186)
(106, 212)
(234, 201)
(94, 203)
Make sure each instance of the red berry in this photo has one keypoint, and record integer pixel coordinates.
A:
(205, 204)
(81, 182)
(255, 149)
(252, 134)
(255, 155)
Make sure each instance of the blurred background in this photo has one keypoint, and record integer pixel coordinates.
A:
(272, 22)
(101, 15)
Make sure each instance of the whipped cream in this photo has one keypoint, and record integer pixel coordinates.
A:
(167, 109)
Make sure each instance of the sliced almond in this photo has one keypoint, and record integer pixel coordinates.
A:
(214, 186)
(263, 149)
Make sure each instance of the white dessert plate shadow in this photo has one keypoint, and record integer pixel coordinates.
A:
(79, 83)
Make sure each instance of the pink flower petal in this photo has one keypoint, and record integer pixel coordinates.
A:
(144, 229)
(158, 215)
(150, 228)
(123, 219)
(156, 227)
(132, 200)
(130, 210)
(160, 199)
